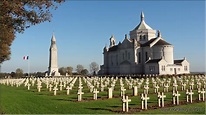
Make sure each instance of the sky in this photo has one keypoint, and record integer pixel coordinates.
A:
(83, 28)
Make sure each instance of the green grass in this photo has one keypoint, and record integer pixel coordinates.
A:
(195, 108)
(18, 100)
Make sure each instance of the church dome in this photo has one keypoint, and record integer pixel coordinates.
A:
(143, 24)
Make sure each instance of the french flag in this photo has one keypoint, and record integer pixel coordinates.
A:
(25, 57)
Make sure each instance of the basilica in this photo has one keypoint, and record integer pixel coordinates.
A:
(145, 51)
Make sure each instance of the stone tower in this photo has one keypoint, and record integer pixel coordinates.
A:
(53, 61)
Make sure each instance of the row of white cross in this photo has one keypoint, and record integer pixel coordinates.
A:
(94, 83)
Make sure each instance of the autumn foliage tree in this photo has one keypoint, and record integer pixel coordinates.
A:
(17, 15)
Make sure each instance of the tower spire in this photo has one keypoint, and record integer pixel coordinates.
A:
(53, 37)
(142, 16)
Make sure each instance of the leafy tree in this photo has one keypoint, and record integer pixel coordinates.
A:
(79, 68)
(19, 72)
(94, 67)
(17, 15)
(62, 70)
(13, 74)
(69, 70)
(38, 74)
(84, 72)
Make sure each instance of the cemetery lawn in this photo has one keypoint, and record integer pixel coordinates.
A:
(18, 100)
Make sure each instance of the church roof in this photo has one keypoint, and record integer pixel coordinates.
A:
(162, 42)
(153, 61)
(142, 24)
(148, 43)
(178, 61)
(114, 48)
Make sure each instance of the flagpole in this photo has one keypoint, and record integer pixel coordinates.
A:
(28, 67)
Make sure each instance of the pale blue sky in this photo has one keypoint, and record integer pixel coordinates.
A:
(82, 28)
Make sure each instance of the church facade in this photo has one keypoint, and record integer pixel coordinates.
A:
(145, 52)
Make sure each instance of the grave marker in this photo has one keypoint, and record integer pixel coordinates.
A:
(80, 93)
(125, 104)
(55, 91)
(110, 92)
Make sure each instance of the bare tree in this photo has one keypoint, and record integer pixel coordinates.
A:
(84, 72)
(62, 70)
(94, 67)
(19, 72)
(69, 70)
(79, 68)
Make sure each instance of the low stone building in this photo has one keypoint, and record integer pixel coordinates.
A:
(145, 52)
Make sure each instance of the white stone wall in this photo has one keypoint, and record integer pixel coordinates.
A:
(135, 34)
(168, 53)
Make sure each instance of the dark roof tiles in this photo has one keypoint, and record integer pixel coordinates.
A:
(154, 61)
(162, 42)
(114, 48)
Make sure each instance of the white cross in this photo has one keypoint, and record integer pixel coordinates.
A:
(199, 85)
(110, 95)
(61, 86)
(162, 82)
(191, 84)
(130, 86)
(183, 86)
(55, 90)
(50, 87)
(47, 84)
(203, 94)
(187, 95)
(122, 92)
(95, 94)
(135, 90)
(156, 88)
(112, 86)
(91, 88)
(125, 101)
(28, 85)
(190, 93)
(80, 93)
(162, 97)
(65, 84)
(176, 95)
(144, 99)
(166, 87)
(175, 86)
(146, 89)
(68, 89)
(199, 94)
(39, 87)
(154, 83)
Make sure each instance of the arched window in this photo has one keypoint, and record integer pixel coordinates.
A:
(139, 57)
(144, 37)
(140, 37)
